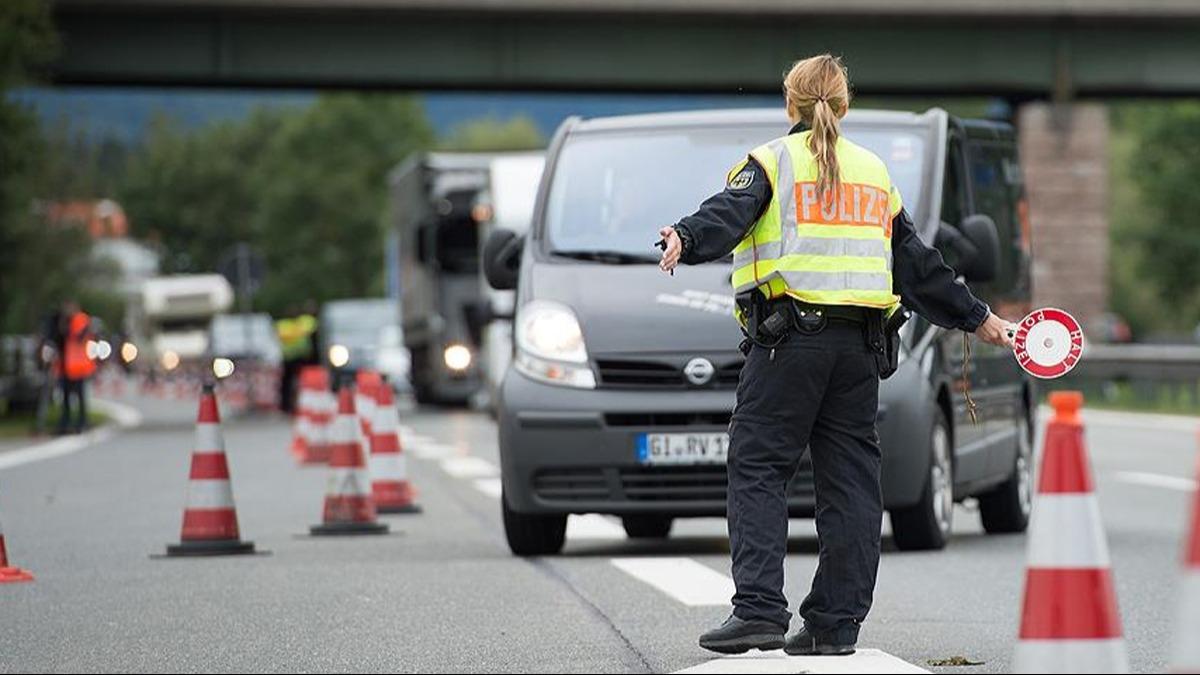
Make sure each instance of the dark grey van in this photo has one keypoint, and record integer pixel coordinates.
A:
(623, 378)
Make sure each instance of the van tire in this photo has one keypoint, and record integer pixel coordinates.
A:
(925, 526)
(531, 534)
(647, 526)
(1006, 508)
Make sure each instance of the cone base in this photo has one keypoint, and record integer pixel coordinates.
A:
(11, 575)
(200, 547)
(397, 508)
(338, 529)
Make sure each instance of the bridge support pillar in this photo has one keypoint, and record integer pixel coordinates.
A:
(1064, 148)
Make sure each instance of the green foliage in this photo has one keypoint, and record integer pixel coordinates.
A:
(489, 134)
(38, 265)
(27, 40)
(1155, 231)
(195, 195)
(306, 188)
(323, 194)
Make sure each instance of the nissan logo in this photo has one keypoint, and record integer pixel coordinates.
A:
(699, 371)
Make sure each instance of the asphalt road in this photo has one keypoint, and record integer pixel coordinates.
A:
(442, 593)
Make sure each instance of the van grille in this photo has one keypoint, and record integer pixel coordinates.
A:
(659, 374)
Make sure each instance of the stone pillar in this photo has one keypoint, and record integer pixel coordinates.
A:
(1064, 153)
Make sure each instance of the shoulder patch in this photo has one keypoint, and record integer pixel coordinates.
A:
(742, 180)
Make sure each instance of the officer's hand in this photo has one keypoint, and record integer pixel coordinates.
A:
(670, 256)
(996, 331)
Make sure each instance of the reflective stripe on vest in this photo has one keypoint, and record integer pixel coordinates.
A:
(835, 252)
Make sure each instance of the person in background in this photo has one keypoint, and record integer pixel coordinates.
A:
(76, 365)
(298, 338)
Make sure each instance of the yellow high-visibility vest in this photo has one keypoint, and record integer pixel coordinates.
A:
(827, 252)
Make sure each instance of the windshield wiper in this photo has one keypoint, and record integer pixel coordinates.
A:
(608, 257)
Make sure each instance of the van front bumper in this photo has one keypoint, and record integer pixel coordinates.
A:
(565, 450)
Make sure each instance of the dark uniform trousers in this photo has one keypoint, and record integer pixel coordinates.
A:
(819, 391)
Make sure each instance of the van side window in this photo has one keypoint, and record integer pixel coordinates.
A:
(996, 179)
(953, 198)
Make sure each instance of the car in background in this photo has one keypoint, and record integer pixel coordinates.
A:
(622, 386)
(362, 333)
(245, 338)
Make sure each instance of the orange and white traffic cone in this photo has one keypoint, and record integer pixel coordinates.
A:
(210, 525)
(349, 508)
(8, 573)
(1185, 657)
(302, 418)
(390, 487)
(322, 409)
(1069, 621)
(367, 384)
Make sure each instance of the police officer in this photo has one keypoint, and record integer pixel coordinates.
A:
(823, 254)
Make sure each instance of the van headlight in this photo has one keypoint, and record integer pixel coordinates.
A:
(550, 346)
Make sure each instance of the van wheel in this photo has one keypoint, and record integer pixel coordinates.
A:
(1006, 508)
(531, 534)
(926, 524)
(647, 527)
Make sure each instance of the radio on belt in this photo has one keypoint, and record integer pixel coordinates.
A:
(1048, 343)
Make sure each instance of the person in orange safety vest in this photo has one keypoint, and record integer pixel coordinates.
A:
(76, 365)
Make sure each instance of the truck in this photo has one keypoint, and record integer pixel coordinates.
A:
(170, 316)
(436, 217)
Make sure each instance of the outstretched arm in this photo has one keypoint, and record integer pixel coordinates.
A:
(721, 221)
(929, 287)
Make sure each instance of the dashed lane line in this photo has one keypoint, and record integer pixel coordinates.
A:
(683, 579)
(489, 486)
(861, 661)
(593, 526)
(468, 467)
(1157, 480)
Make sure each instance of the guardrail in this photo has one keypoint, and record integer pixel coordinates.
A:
(1173, 363)
(1162, 378)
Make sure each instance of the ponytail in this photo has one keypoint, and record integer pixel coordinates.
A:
(818, 93)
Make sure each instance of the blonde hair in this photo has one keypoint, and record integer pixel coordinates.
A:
(817, 90)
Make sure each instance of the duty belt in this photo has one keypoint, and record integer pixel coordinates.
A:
(832, 312)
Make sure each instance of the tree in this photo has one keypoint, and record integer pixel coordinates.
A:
(323, 194)
(196, 194)
(1156, 241)
(30, 262)
(490, 134)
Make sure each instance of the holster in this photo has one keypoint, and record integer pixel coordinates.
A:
(888, 358)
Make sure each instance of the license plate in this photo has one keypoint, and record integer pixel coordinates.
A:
(680, 449)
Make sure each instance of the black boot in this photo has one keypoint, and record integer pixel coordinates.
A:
(804, 644)
(737, 636)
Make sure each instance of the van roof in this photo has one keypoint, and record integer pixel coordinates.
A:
(734, 117)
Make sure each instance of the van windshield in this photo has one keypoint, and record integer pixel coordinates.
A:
(611, 192)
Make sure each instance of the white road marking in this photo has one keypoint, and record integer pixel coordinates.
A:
(1158, 480)
(55, 448)
(861, 661)
(684, 579)
(489, 486)
(432, 451)
(593, 526)
(468, 467)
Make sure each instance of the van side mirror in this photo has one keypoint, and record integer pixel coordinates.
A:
(502, 259)
(972, 248)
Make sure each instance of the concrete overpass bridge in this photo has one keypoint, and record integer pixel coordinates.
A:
(1020, 49)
